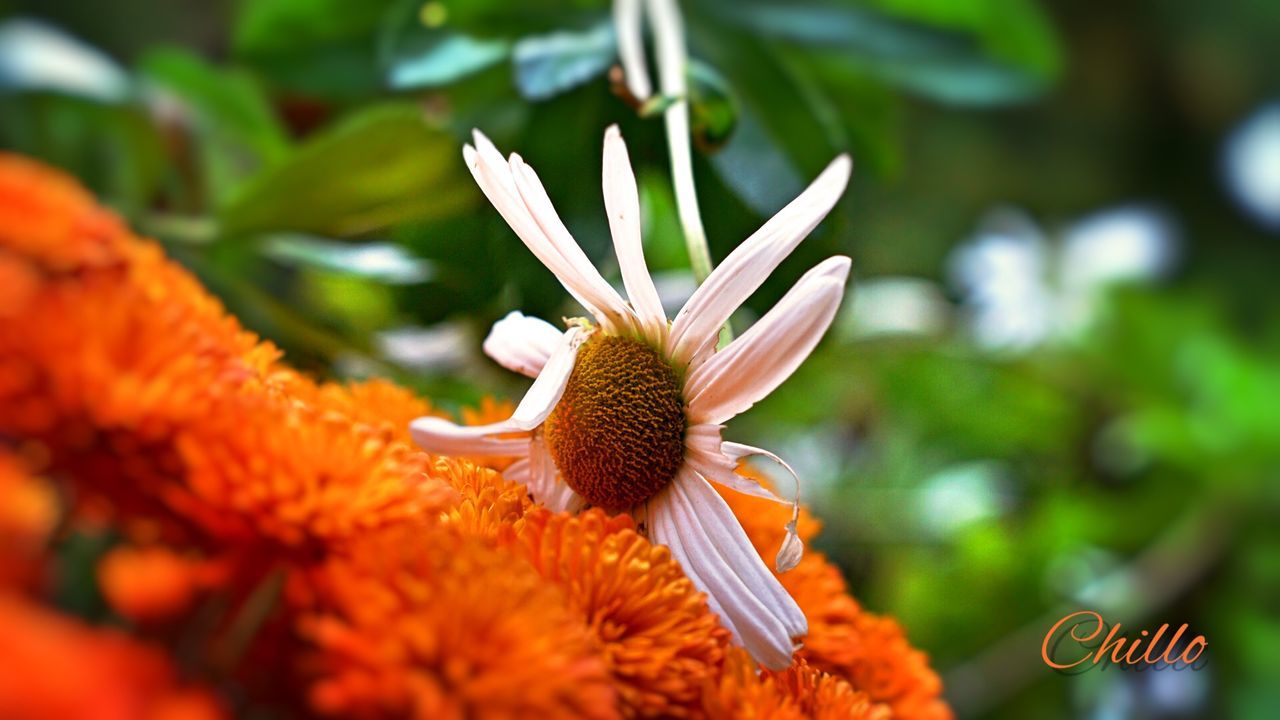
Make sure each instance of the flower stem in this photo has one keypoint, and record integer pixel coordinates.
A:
(668, 31)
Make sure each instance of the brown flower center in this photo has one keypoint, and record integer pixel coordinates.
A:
(617, 434)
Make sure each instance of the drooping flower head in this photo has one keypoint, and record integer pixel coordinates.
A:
(626, 409)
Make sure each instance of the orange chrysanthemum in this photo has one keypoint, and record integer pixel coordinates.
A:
(800, 692)
(429, 623)
(28, 513)
(381, 404)
(486, 503)
(48, 217)
(312, 478)
(153, 583)
(54, 668)
(660, 640)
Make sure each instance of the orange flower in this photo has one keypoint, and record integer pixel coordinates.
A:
(28, 513)
(47, 216)
(54, 668)
(487, 502)
(382, 404)
(797, 693)
(427, 623)
(661, 642)
(153, 583)
(263, 466)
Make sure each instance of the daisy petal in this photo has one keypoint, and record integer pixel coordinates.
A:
(522, 344)
(518, 471)
(743, 271)
(441, 436)
(547, 388)
(494, 176)
(733, 379)
(539, 204)
(702, 533)
(622, 203)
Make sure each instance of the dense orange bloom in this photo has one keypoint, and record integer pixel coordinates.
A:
(800, 692)
(659, 638)
(53, 668)
(299, 476)
(48, 217)
(153, 583)
(486, 503)
(428, 623)
(28, 512)
(382, 404)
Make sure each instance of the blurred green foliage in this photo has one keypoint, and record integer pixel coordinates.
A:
(303, 157)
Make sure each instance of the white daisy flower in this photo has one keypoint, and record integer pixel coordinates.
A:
(626, 413)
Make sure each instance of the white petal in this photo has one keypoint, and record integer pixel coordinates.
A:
(702, 533)
(494, 176)
(547, 388)
(792, 549)
(627, 25)
(522, 344)
(441, 436)
(518, 471)
(734, 378)
(545, 484)
(599, 292)
(622, 203)
(743, 271)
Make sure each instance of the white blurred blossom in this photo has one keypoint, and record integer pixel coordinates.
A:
(890, 305)
(1251, 165)
(1021, 288)
(36, 56)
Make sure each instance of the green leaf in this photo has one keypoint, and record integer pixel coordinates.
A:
(503, 18)
(443, 58)
(755, 169)
(323, 48)
(383, 166)
(235, 128)
(115, 150)
(985, 58)
(547, 65)
(1014, 31)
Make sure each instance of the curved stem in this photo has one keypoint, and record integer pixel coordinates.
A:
(668, 31)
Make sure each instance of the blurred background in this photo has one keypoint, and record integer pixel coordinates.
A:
(1054, 384)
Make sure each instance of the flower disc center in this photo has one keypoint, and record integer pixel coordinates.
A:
(617, 434)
